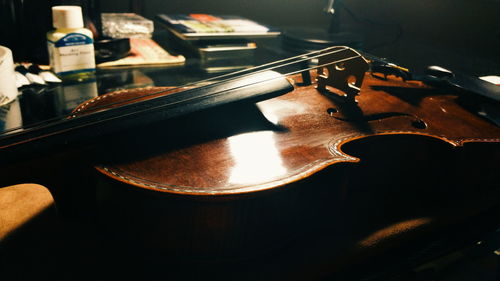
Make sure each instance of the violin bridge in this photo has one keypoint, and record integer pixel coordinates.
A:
(341, 68)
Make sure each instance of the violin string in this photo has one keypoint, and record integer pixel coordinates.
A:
(199, 97)
(301, 58)
(251, 71)
(242, 86)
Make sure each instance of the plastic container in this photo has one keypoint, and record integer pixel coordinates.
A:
(71, 48)
(126, 25)
(8, 88)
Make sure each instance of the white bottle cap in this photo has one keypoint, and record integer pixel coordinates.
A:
(67, 17)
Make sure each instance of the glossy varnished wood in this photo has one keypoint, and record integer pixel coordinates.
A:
(245, 180)
(303, 133)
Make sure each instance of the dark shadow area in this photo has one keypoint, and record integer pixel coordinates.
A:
(413, 96)
(49, 248)
(413, 209)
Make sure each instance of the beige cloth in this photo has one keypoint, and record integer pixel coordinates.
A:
(19, 204)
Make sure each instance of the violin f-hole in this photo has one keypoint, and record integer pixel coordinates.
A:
(342, 68)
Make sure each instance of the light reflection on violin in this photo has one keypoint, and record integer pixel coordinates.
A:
(256, 158)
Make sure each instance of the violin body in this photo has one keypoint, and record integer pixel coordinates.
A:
(297, 135)
(242, 180)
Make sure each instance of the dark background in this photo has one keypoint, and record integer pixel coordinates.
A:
(463, 34)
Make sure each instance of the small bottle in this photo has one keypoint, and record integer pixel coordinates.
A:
(71, 47)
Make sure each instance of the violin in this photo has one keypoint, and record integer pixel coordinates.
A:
(253, 160)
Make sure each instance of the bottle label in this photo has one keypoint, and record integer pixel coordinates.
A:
(72, 54)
